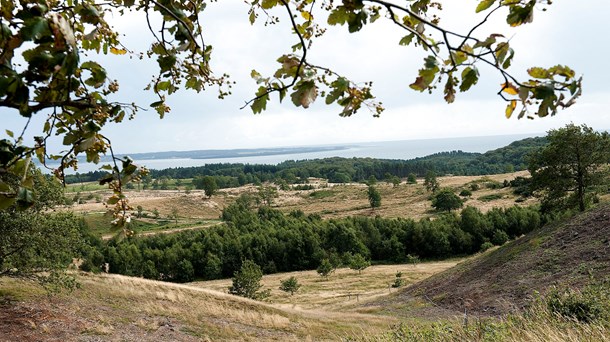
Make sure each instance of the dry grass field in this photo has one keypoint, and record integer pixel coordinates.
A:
(327, 200)
(344, 290)
(111, 307)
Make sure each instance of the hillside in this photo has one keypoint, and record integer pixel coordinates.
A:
(569, 253)
(111, 307)
(118, 308)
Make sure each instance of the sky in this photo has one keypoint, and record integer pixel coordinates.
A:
(569, 32)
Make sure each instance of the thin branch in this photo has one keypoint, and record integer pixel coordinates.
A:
(171, 14)
(299, 67)
(468, 36)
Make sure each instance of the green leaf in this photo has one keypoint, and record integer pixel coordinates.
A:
(406, 40)
(98, 74)
(356, 21)
(260, 103)
(7, 196)
(166, 62)
(338, 16)
(562, 71)
(9, 133)
(483, 5)
(35, 28)
(267, 4)
(25, 198)
(163, 86)
(470, 77)
(519, 15)
(537, 72)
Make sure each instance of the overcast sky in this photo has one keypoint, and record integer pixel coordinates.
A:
(569, 32)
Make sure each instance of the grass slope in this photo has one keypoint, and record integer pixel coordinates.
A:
(119, 308)
(569, 253)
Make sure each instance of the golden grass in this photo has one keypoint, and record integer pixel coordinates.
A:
(344, 290)
(406, 200)
(213, 315)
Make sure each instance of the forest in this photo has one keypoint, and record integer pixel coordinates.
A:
(281, 242)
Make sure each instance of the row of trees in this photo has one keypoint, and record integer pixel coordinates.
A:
(281, 243)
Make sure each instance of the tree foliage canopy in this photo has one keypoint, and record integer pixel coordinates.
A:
(246, 281)
(46, 67)
(447, 200)
(568, 171)
(374, 197)
(37, 241)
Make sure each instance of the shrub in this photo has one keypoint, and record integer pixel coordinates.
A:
(490, 197)
(499, 238)
(398, 282)
(486, 245)
(465, 193)
(589, 305)
(290, 285)
(246, 281)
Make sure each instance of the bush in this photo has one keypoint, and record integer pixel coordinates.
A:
(489, 198)
(486, 245)
(499, 238)
(446, 200)
(465, 193)
(290, 285)
(398, 282)
(246, 281)
(493, 185)
(589, 305)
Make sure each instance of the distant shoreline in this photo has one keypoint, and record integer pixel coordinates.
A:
(400, 150)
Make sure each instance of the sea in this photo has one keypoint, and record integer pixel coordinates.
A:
(403, 149)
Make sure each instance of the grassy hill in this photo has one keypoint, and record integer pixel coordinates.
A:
(571, 253)
(111, 307)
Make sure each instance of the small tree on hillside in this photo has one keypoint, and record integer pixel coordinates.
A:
(246, 281)
(446, 200)
(208, 184)
(325, 268)
(412, 259)
(430, 182)
(398, 281)
(267, 194)
(374, 197)
(290, 285)
(358, 263)
(371, 181)
(412, 178)
(174, 215)
(395, 181)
